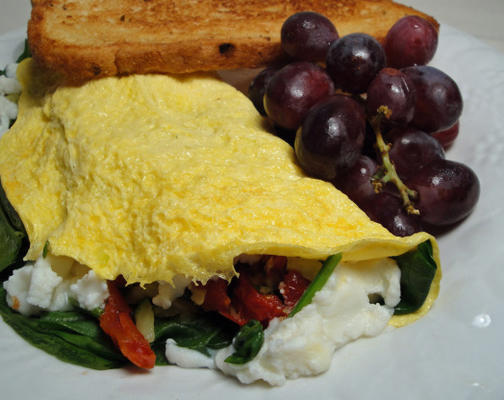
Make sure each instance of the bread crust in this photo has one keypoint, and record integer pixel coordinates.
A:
(86, 39)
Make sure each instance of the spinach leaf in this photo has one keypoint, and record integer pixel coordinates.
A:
(10, 212)
(11, 243)
(318, 282)
(200, 332)
(247, 343)
(13, 238)
(26, 52)
(74, 321)
(224, 336)
(159, 349)
(72, 337)
(418, 269)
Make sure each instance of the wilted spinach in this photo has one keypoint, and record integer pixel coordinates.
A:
(26, 52)
(418, 269)
(201, 332)
(71, 336)
(247, 343)
(13, 239)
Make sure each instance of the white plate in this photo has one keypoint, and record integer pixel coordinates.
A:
(455, 352)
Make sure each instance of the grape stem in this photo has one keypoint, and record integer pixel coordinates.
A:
(390, 174)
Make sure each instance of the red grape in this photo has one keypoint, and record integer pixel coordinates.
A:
(307, 35)
(411, 41)
(257, 88)
(331, 137)
(412, 150)
(387, 209)
(356, 183)
(438, 102)
(353, 61)
(393, 89)
(293, 90)
(447, 192)
(447, 137)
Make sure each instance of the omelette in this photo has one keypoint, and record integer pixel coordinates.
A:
(161, 179)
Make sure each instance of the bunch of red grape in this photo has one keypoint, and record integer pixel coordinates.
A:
(374, 120)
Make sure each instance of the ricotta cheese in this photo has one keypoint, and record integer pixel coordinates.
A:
(167, 293)
(36, 287)
(186, 358)
(17, 287)
(303, 345)
(43, 283)
(9, 86)
(90, 291)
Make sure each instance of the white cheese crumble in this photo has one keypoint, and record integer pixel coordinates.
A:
(167, 293)
(17, 287)
(90, 291)
(36, 287)
(186, 358)
(60, 297)
(10, 72)
(9, 85)
(43, 283)
(304, 344)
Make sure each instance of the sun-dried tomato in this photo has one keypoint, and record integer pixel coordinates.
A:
(116, 322)
(216, 297)
(275, 269)
(292, 287)
(253, 294)
(253, 305)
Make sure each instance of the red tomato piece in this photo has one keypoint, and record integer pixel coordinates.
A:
(234, 316)
(216, 297)
(253, 305)
(275, 269)
(116, 322)
(293, 287)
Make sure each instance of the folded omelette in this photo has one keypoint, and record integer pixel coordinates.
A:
(154, 176)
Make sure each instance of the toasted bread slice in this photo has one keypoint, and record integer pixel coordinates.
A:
(85, 39)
